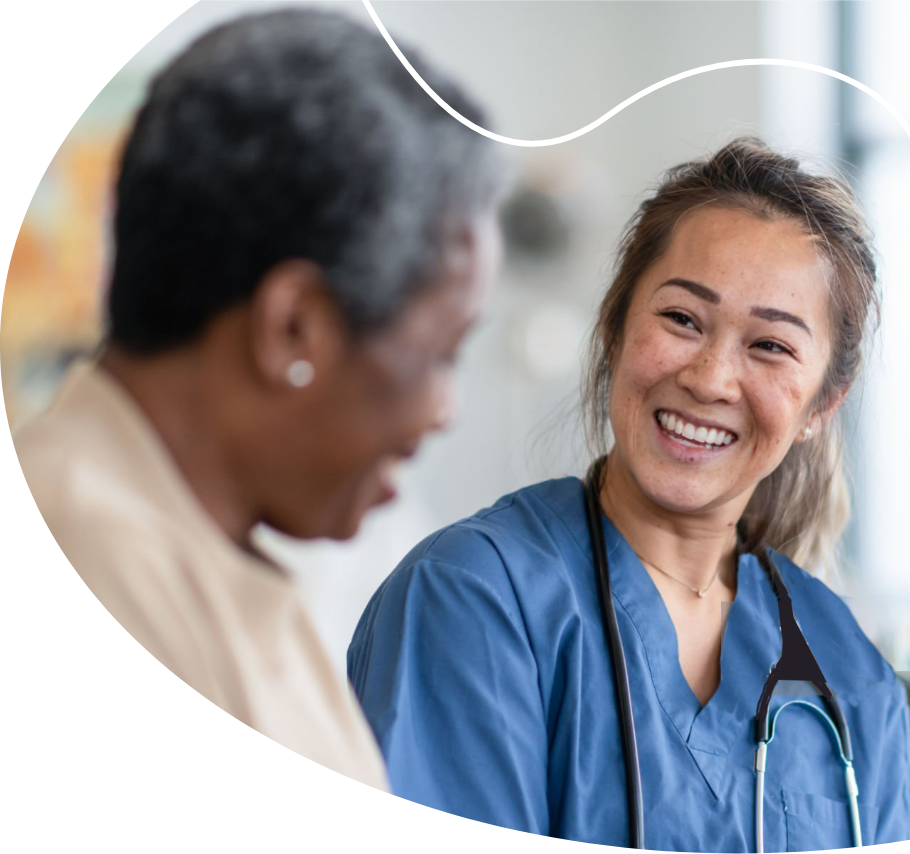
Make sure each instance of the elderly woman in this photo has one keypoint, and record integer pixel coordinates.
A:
(721, 355)
(303, 239)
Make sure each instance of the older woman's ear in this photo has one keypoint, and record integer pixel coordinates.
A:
(293, 320)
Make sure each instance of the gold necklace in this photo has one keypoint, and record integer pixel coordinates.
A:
(701, 593)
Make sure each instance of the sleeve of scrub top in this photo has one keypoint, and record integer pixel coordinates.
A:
(449, 684)
(894, 785)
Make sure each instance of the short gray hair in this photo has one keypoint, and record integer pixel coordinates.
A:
(292, 134)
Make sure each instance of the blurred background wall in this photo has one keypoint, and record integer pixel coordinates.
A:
(544, 69)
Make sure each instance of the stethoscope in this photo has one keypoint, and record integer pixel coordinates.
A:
(796, 663)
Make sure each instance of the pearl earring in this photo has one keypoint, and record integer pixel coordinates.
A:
(300, 373)
(807, 432)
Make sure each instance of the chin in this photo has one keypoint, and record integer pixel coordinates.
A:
(342, 514)
(680, 498)
(350, 520)
(692, 503)
(347, 530)
(339, 527)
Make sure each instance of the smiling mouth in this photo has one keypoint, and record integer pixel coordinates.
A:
(693, 435)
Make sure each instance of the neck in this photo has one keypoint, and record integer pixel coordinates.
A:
(694, 548)
(173, 392)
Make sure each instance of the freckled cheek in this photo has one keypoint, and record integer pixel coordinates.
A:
(648, 357)
(775, 412)
(645, 364)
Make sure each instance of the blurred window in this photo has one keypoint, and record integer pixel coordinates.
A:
(873, 44)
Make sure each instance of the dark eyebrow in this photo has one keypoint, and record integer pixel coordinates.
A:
(713, 297)
(695, 288)
(775, 314)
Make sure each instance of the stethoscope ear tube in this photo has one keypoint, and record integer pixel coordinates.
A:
(838, 728)
(798, 663)
(617, 657)
(842, 728)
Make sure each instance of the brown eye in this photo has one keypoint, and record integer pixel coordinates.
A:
(680, 318)
(772, 347)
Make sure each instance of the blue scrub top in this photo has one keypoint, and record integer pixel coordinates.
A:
(482, 667)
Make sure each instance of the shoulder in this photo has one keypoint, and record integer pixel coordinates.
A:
(517, 522)
(96, 469)
(80, 491)
(87, 486)
(851, 660)
(122, 546)
(527, 529)
(479, 603)
(510, 571)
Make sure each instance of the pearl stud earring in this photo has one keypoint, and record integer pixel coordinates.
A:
(300, 373)
(807, 432)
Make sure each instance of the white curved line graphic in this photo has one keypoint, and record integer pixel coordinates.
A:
(556, 140)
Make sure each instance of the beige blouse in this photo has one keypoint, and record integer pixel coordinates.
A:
(231, 626)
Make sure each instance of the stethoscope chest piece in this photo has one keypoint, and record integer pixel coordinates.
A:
(796, 663)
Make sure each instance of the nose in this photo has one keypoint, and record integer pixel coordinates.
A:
(445, 408)
(712, 375)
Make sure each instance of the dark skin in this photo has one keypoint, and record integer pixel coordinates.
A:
(309, 461)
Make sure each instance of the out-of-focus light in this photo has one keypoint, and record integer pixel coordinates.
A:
(551, 339)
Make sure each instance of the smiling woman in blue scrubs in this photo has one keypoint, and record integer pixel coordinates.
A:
(721, 355)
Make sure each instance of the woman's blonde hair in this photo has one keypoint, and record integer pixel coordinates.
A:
(802, 508)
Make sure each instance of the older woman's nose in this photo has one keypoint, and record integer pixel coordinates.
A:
(712, 376)
(445, 407)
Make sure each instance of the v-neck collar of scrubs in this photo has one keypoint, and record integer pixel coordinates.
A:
(708, 731)
(519, 712)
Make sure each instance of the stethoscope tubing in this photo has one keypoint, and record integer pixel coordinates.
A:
(846, 758)
(764, 727)
(618, 657)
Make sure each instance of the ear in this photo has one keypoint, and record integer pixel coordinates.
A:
(820, 418)
(293, 317)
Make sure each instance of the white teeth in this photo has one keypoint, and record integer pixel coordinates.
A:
(701, 435)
